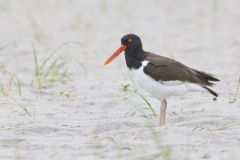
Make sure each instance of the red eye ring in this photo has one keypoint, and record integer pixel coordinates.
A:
(129, 40)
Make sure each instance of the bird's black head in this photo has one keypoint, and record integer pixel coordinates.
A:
(132, 42)
(134, 53)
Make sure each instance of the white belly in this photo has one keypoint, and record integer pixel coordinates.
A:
(160, 89)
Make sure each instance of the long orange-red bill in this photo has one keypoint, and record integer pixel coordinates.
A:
(115, 54)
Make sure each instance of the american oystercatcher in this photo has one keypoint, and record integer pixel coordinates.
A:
(160, 76)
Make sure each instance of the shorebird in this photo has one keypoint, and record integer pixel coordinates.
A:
(162, 77)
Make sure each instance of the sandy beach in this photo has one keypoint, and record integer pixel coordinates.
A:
(58, 101)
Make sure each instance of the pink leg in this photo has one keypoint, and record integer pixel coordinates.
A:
(163, 109)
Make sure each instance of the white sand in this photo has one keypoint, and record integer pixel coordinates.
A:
(92, 123)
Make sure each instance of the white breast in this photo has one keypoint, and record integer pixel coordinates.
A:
(161, 89)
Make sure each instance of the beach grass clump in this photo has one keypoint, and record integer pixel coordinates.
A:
(6, 87)
(6, 90)
(50, 70)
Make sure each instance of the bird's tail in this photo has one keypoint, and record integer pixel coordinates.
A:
(206, 78)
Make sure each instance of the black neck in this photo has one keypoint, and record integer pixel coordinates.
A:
(134, 58)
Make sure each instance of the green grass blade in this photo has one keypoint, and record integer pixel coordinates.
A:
(36, 66)
(148, 104)
(17, 83)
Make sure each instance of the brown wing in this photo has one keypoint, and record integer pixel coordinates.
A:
(166, 69)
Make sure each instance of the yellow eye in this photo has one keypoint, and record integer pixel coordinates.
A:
(129, 40)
